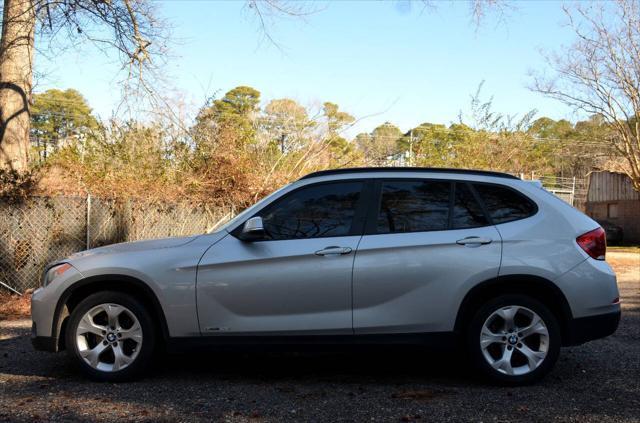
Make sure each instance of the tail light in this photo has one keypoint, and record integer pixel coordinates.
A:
(594, 243)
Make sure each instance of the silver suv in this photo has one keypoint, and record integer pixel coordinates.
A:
(477, 259)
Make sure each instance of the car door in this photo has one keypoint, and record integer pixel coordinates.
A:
(296, 281)
(425, 245)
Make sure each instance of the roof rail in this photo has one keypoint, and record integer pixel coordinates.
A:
(408, 169)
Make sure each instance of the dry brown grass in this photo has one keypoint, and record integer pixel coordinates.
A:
(625, 264)
(13, 306)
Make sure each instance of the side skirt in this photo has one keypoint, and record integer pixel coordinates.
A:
(436, 341)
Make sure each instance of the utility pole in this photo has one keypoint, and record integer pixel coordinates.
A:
(411, 148)
(88, 233)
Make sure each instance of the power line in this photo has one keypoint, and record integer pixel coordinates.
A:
(62, 114)
(416, 138)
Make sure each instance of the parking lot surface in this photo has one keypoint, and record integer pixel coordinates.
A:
(598, 382)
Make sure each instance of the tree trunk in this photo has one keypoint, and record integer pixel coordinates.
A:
(16, 71)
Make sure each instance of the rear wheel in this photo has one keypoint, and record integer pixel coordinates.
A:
(111, 336)
(514, 339)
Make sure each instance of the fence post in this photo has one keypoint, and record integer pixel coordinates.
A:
(88, 221)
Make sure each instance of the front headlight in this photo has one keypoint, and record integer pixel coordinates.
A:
(54, 272)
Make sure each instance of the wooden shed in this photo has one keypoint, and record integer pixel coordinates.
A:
(611, 198)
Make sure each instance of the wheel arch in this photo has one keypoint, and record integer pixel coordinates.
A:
(536, 287)
(74, 294)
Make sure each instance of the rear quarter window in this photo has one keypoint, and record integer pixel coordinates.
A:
(504, 204)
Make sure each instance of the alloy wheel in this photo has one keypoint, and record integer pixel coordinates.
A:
(514, 340)
(109, 337)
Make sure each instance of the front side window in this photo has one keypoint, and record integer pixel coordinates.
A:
(467, 213)
(504, 204)
(413, 206)
(317, 211)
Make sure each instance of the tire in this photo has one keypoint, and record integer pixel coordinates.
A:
(520, 357)
(111, 337)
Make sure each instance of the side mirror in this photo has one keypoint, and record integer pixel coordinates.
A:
(253, 230)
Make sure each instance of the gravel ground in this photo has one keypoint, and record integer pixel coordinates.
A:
(598, 382)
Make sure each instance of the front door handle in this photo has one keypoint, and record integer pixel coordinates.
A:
(474, 241)
(333, 251)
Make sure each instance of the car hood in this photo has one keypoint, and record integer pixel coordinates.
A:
(125, 247)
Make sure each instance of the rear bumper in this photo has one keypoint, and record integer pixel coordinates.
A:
(586, 329)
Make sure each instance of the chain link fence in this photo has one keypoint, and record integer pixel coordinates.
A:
(571, 190)
(43, 229)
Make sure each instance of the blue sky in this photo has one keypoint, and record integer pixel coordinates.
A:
(392, 61)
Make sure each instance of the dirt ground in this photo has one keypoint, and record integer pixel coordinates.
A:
(13, 306)
(597, 382)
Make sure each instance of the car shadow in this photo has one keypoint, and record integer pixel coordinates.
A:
(374, 365)
(370, 365)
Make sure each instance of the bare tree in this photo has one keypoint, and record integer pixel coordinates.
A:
(16, 61)
(600, 73)
(479, 10)
(267, 11)
(129, 27)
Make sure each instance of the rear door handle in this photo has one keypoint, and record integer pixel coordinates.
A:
(474, 240)
(333, 251)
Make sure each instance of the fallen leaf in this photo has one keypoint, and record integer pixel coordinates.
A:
(422, 395)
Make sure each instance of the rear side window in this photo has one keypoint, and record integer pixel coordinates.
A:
(467, 213)
(316, 211)
(504, 204)
(413, 206)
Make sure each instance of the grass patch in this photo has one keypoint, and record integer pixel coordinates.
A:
(623, 249)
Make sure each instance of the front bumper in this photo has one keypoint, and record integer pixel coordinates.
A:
(586, 329)
(43, 343)
(46, 316)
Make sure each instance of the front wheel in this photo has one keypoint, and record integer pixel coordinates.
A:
(514, 339)
(111, 336)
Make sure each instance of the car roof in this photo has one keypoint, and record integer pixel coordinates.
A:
(421, 170)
